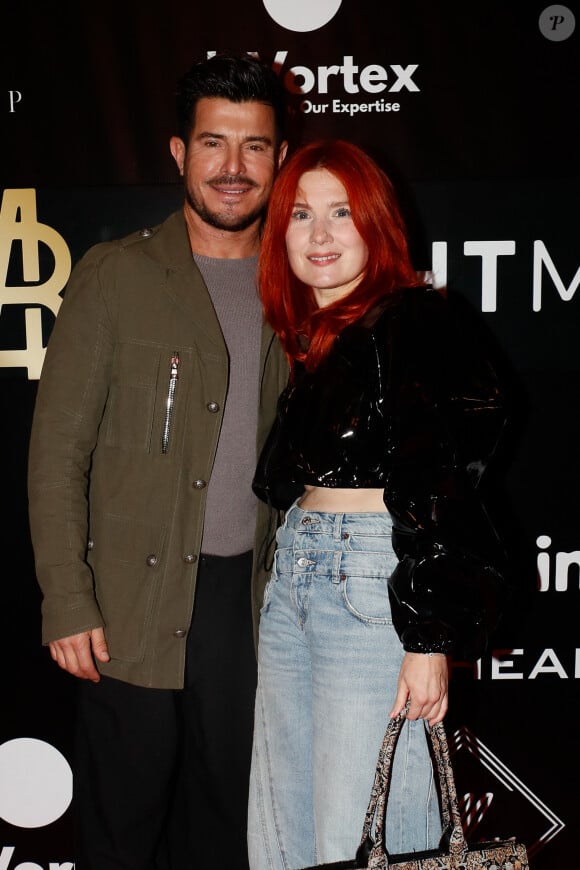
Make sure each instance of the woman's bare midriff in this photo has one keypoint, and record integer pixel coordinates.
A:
(325, 498)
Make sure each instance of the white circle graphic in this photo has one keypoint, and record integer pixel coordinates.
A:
(302, 15)
(35, 783)
(557, 23)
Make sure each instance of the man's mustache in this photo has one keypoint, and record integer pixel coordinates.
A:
(232, 181)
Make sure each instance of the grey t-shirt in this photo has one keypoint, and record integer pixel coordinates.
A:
(230, 514)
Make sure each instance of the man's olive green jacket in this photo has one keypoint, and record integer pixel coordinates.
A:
(116, 510)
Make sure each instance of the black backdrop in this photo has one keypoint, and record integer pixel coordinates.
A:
(473, 108)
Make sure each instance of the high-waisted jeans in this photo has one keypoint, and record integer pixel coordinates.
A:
(328, 665)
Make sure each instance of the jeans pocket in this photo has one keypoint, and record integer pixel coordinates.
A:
(367, 597)
(282, 558)
(268, 592)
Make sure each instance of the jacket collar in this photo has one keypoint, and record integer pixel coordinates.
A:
(169, 247)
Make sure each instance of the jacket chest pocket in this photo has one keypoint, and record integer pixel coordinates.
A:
(147, 383)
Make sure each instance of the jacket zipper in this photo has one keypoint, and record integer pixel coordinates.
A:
(173, 375)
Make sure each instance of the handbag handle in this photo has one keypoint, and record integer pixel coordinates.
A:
(371, 852)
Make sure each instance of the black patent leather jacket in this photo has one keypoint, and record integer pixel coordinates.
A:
(405, 401)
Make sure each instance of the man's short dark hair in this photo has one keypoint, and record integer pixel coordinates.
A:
(242, 78)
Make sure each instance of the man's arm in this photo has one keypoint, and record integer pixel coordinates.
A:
(71, 397)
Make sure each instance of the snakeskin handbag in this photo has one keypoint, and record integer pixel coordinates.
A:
(454, 853)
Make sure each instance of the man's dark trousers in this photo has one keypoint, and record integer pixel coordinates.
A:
(161, 779)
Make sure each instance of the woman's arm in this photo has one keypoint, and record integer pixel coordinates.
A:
(447, 416)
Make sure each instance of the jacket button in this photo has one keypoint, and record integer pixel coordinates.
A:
(199, 484)
(90, 544)
(213, 407)
(190, 558)
(152, 560)
(180, 632)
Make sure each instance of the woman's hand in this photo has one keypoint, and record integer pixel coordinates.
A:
(424, 680)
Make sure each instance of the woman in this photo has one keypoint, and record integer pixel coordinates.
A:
(384, 562)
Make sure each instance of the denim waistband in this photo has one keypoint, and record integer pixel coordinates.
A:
(335, 545)
(336, 522)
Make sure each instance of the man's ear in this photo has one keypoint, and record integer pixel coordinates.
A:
(282, 151)
(177, 148)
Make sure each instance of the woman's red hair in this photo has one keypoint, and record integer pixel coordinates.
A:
(289, 305)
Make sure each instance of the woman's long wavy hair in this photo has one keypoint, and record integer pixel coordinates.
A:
(306, 331)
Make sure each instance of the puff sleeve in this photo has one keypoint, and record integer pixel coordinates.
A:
(447, 412)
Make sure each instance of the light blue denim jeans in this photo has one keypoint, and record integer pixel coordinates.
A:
(329, 660)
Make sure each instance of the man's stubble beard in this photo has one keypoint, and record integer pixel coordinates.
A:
(221, 221)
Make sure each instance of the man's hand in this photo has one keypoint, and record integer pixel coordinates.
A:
(424, 679)
(75, 654)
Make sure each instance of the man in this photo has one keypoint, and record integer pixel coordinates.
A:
(157, 378)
